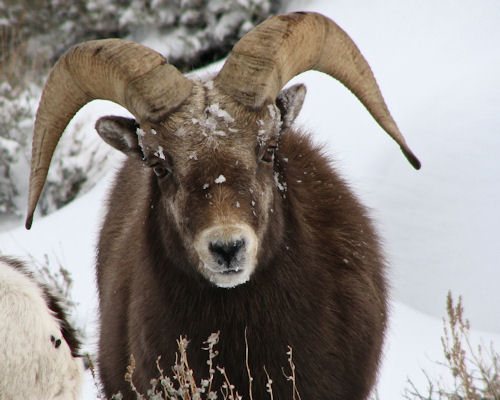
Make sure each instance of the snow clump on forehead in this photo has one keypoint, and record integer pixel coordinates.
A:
(211, 116)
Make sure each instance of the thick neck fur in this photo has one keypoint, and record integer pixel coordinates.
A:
(319, 287)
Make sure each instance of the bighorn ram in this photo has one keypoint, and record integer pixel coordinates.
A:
(224, 217)
(38, 347)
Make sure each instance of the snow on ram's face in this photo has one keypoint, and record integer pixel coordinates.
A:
(159, 153)
(220, 179)
(215, 110)
(209, 145)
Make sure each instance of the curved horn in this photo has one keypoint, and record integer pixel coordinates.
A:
(265, 59)
(127, 73)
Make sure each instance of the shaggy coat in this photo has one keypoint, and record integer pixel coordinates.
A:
(38, 347)
(319, 286)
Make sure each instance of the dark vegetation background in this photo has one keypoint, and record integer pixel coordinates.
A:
(35, 33)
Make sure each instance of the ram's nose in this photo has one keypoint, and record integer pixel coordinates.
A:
(228, 254)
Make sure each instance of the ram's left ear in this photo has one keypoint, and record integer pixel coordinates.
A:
(289, 102)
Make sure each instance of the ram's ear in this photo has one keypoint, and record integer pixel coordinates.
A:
(289, 102)
(121, 133)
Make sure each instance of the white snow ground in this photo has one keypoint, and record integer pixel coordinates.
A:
(437, 64)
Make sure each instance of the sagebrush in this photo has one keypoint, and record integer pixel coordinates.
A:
(475, 370)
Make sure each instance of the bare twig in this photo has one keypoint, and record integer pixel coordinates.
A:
(250, 378)
(211, 342)
(269, 385)
(292, 377)
(129, 378)
(94, 378)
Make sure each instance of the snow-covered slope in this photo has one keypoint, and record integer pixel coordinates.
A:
(437, 64)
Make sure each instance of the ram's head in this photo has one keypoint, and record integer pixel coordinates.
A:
(207, 146)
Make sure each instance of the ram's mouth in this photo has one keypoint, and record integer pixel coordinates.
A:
(224, 270)
(231, 271)
(226, 277)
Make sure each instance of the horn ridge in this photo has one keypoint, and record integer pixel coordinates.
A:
(283, 46)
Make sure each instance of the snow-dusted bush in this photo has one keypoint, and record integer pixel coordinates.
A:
(16, 120)
(199, 30)
(78, 163)
(60, 283)
(8, 149)
(34, 33)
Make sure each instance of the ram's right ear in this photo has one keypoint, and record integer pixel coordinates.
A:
(121, 133)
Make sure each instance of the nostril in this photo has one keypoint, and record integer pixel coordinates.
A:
(225, 252)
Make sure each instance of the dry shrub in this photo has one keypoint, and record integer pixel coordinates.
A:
(181, 384)
(475, 370)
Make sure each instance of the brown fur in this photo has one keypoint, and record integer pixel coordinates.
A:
(319, 285)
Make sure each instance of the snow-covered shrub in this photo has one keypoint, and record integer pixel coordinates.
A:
(34, 33)
(8, 193)
(200, 30)
(60, 282)
(79, 161)
(16, 120)
(195, 32)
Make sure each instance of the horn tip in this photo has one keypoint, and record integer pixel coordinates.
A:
(412, 158)
(29, 221)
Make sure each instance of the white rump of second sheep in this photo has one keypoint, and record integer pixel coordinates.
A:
(38, 347)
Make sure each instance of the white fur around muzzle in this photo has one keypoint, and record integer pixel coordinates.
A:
(242, 266)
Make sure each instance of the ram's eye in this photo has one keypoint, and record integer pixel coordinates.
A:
(160, 172)
(268, 155)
